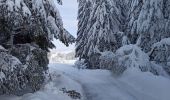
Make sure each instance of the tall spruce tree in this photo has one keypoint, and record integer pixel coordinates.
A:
(148, 22)
(27, 28)
(98, 27)
(84, 11)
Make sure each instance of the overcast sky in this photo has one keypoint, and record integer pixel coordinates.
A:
(68, 12)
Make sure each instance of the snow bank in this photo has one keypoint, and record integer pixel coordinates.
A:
(156, 87)
(132, 85)
(132, 56)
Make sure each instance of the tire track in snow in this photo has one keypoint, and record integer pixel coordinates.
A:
(131, 91)
(99, 91)
(103, 86)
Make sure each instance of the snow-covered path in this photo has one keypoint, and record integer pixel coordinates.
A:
(101, 85)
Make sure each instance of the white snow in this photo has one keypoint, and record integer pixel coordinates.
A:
(52, 90)
(100, 85)
(16, 4)
(125, 41)
(10, 5)
(132, 56)
(67, 57)
(132, 85)
(2, 76)
(165, 41)
(155, 87)
(2, 48)
(52, 23)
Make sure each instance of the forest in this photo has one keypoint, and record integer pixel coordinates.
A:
(121, 46)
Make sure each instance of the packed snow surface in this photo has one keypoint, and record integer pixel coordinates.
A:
(100, 85)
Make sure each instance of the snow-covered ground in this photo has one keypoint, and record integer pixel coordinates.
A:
(65, 57)
(132, 85)
(100, 85)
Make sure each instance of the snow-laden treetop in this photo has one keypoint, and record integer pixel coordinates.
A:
(38, 18)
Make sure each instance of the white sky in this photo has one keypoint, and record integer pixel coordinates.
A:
(68, 12)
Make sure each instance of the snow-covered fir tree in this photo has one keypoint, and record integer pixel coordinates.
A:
(85, 7)
(32, 21)
(148, 25)
(149, 22)
(98, 28)
(27, 28)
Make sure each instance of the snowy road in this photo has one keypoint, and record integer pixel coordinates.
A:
(101, 85)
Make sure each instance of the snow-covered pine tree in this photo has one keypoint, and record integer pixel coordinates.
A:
(32, 21)
(98, 32)
(149, 26)
(149, 22)
(27, 28)
(134, 8)
(84, 10)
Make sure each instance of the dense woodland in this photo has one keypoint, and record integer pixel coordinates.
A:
(112, 34)
(127, 32)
